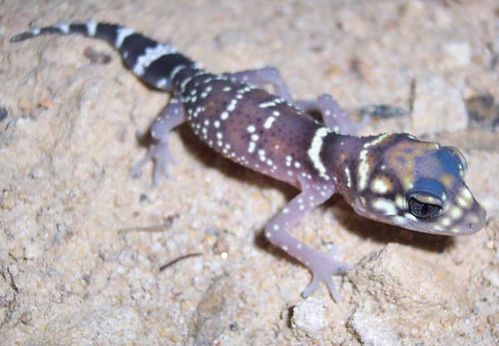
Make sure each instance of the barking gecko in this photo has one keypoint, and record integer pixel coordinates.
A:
(391, 178)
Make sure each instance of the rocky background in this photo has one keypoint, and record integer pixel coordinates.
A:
(77, 267)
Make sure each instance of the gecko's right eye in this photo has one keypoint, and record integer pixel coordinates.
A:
(423, 210)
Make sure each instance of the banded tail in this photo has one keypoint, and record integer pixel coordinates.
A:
(153, 62)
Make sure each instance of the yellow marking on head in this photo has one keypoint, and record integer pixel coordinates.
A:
(407, 182)
(401, 202)
(399, 220)
(363, 169)
(455, 212)
(467, 194)
(381, 185)
(447, 180)
(365, 161)
(362, 201)
(385, 206)
(410, 217)
(400, 158)
(377, 140)
(465, 198)
(438, 228)
(445, 222)
(462, 202)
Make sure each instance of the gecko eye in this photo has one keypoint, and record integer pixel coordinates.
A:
(423, 210)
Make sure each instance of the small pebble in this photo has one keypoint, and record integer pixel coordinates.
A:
(231, 38)
(37, 173)
(437, 106)
(233, 327)
(45, 104)
(483, 111)
(32, 251)
(363, 69)
(96, 57)
(352, 23)
(491, 276)
(26, 317)
(373, 329)
(309, 315)
(456, 54)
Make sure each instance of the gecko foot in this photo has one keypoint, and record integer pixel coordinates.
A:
(159, 153)
(323, 267)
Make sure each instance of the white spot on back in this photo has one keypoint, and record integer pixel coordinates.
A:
(268, 122)
(251, 147)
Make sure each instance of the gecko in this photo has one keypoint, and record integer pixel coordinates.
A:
(390, 178)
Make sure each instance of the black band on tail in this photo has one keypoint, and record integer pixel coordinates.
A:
(151, 61)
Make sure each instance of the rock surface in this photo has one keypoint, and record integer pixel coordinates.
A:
(437, 107)
(75, 267)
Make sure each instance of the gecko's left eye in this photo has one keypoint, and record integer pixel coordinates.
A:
(423, 209)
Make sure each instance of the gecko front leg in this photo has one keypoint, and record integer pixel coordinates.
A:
(322, 266)
(261, 77)
(333, 115)
(170, 117)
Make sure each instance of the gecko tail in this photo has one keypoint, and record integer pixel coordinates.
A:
(153, 62)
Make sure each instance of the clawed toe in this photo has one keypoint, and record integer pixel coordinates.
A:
(319, 277)
(312, 287)
(323, 271)
(159, 154)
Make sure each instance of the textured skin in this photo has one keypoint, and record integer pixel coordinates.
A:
(395, 179)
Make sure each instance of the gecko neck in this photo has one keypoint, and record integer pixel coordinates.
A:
(342, 154)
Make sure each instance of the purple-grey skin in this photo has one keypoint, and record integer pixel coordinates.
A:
(394, 178)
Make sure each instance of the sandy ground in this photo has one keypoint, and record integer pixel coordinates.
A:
(70, 275)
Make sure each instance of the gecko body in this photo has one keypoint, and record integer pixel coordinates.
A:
(391, 178)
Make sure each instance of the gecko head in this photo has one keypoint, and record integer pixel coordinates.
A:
(416, 185)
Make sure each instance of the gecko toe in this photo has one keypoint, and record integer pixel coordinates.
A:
(312, 287)
(160, 156)
(323, 268)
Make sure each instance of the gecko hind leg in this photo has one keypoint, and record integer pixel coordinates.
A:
(333, 115)
(322, 266)
(170, 117)
(262, 77)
